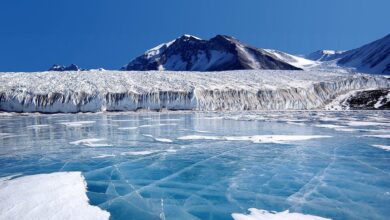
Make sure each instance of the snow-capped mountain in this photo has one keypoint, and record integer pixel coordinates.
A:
(325, 55)
(370, 58)
(71, 67)
(190, 53)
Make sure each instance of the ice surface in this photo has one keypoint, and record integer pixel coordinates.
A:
(256, 214)
(367, 123)
(47, 196)
(329, 126)
(249, 160)
(105, 155)
(379, 135)
(94, 91)
(280, 139)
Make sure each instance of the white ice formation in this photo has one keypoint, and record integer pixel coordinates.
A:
(256, 214)
(94, 91)
(59, 196)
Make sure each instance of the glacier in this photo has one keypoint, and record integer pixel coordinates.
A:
(97, 91)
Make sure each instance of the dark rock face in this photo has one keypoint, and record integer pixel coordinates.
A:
(189, 53)
(71, 67)
(370, 100)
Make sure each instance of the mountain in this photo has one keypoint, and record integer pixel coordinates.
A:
(190, 53)
(370, 58)
(325, 55)
(71, 67)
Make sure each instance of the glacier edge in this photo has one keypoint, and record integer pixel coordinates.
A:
(91, 91)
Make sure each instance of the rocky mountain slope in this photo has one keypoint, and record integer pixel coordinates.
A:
(189, 53)
(371, 58)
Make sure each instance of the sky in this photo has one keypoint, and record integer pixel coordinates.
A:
(35, 34)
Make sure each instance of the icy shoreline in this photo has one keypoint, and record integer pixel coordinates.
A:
(94, 91)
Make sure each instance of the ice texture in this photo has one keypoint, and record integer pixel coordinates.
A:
(59, 196)
(258, 160)
(94, 91)
(280, 139)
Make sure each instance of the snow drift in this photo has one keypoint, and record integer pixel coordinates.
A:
(60, 195)
(93, 91)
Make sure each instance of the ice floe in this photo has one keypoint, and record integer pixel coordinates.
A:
(59, 195)
(384, 147)
(257, 214)
(104, 156)
(166, 140)
(329, 126)
(37, 126)
(91, 142)
(144, 152)
(127, 128)
(367, 123)
(77, 123)
(156, 125)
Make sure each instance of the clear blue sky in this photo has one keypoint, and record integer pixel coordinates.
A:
(34, 34)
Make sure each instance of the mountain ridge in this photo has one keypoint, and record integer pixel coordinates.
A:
(222, 53)
(190, 53)
(373, 57)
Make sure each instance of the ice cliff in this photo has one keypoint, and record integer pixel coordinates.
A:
(94, 91)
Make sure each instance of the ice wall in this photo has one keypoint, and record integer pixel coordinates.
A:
(52, 92)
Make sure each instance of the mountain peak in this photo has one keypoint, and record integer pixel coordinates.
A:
(221, 36)
(71, 67)
(188, 36)
(190, 53)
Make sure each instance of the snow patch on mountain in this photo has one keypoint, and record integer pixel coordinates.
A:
(297, 61)
(325, 55)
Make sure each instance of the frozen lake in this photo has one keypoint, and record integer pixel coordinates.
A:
(186, 165)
